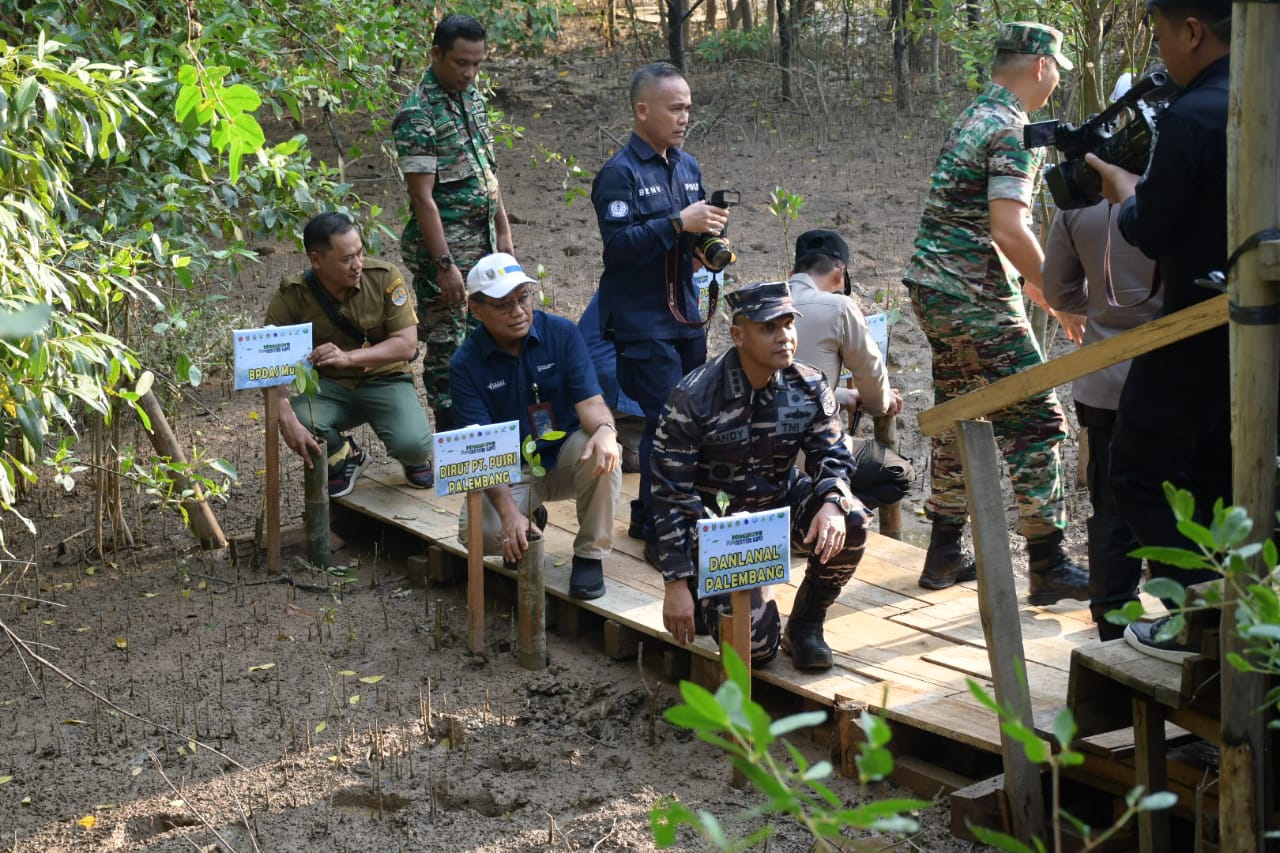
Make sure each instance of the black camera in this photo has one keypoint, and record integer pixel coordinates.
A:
(714, 248)
(1121, 134)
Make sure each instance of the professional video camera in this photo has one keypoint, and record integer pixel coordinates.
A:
(714, 248)
(1121, 134)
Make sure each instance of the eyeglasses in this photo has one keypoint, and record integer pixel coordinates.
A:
(512, 304)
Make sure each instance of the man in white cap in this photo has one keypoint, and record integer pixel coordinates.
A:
(529, 366)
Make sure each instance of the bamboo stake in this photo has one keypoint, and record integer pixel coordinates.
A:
(204, 526)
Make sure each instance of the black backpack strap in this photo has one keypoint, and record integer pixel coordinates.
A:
(331, 309)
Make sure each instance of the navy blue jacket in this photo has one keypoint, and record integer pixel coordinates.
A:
(1178, 217)
(634, 194)
(490, 386)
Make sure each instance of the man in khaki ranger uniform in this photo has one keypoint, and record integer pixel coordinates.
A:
(364, 331)
(973, 244)
(445, 149)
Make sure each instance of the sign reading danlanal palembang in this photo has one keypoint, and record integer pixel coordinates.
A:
(477, 457)
(742, 551)
(269, 356)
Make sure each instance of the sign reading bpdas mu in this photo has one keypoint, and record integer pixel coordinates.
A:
(269, 356)
(477, 457)
(743, 551)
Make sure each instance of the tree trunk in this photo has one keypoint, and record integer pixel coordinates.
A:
(675, 32)
(712, 15)
(744, 14)
(199, 516)
(901, 58)
(784, 45)
(610, 23)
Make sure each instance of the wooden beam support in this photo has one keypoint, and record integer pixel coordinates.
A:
(1001, 623)
(621, 642)
(1150, 771)
(475, 572)
(1150, 336)
(1247, 806)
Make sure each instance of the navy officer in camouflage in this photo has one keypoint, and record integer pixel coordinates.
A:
(736, 425)
(974, 241)
(445, 150)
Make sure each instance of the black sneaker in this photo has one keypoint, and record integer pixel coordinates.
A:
(1142, 636)
(342, 477)
(420, 476)
(586, 580)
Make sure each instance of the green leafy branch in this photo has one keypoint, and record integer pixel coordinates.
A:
(786, 207)
(1038, 752)
(792, 788)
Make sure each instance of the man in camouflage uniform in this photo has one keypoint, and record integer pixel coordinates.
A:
(974, 241)
(445, 149)
(736, 425)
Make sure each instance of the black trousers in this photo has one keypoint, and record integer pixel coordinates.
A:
(1113, 574)
(1192, 452)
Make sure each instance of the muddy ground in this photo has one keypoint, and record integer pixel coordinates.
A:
(340, 723)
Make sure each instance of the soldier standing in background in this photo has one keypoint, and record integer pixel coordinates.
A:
(445, 150)
(737, 425)
(974, 241)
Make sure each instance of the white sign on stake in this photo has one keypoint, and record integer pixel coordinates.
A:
(878, 325)
(269, 356)
(743, 551)
(477, 457)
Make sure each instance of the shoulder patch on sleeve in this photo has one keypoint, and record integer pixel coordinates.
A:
(828, 402)
(399, 293)
(618, 209)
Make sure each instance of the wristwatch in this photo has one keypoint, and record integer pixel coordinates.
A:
(845, 503)
(444, 262)
(676, 223)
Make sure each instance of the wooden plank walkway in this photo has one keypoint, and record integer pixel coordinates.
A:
(885, 631)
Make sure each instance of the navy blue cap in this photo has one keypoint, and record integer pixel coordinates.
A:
(762, 302)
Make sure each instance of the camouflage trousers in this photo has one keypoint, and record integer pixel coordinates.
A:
(974, 345)
(441, 328)
(766, 623)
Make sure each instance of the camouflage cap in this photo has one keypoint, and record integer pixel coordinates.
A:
(762, 302)
(1033, 38)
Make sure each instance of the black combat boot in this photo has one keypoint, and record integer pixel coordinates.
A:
(803, 638)
(635, 529)
(1054, 576)
(946, 564)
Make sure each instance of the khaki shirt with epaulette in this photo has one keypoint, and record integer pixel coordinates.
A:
(379, 306)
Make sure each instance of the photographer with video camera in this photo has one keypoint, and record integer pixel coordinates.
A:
(974, 241)
(1177, 215)
(657, 229)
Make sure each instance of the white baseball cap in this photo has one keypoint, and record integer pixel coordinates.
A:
(496, 275)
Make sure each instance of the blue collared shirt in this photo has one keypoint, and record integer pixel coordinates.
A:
(491, 386)
(635, 194)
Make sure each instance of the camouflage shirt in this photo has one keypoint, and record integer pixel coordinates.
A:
(448, 136)
(717, 433)
(982, 159)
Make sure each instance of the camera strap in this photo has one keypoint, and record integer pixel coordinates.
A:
(331, 309)
(673, 293)
(1112, 301)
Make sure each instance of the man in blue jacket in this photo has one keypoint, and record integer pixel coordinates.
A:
(646, 197)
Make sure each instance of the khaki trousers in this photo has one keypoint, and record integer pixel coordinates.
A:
(570, 479)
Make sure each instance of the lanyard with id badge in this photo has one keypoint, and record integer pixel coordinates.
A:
(540, 417)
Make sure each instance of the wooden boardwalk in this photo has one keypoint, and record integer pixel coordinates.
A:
(899, 649)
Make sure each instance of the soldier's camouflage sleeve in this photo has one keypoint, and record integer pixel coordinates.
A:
(676, 504)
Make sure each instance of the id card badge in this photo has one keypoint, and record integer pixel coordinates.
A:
(541, 420)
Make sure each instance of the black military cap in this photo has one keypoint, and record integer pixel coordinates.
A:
(762, 302)
(821, 242)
